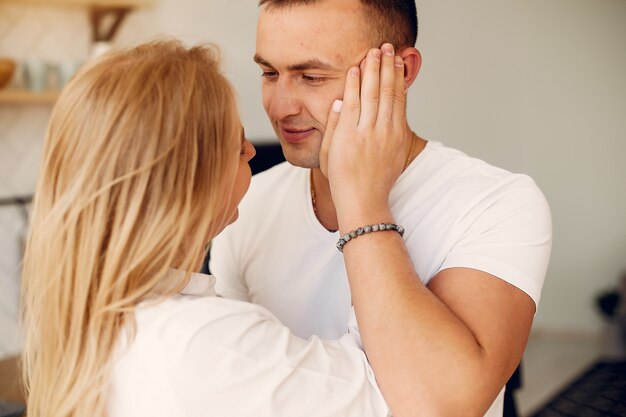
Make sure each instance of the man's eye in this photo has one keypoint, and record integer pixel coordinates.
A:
(313, 79)
(270, 75)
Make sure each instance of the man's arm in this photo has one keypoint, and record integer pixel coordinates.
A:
(445, 350)
(460, 337)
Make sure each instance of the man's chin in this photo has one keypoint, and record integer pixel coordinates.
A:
(304, 164)
(302, 158)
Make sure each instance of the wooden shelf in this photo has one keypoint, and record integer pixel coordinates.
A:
(104, 3)
(27, 97)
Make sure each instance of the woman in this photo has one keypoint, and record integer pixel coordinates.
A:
(144, 162)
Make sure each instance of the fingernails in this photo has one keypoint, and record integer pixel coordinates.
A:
(387, 48)
(337, 104)
(398, 62)
(376, 54)
(354, 72)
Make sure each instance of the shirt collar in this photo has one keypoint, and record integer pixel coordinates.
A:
(198, 285)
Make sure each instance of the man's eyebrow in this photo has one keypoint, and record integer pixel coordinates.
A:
(311, 64)
(257, 58)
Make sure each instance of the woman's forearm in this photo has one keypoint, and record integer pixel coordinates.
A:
(420, 351)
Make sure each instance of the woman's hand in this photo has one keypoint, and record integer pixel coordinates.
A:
(362, 152)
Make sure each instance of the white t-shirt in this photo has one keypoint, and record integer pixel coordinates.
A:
(457, 211)
(196, 354)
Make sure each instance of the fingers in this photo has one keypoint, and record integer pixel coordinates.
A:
(387, 85)
(370, 88)
(331, 124)
(399, 97)
(379, 101)
(351, 107)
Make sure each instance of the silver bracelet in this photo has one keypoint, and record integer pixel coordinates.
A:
(380, 227)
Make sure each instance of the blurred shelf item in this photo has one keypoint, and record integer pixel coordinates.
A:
(20, 200)
(27, 97)
(105, 16)
(11, 388)
(102, 3)
(7, 68)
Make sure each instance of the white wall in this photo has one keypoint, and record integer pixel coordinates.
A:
(540, 87)
(534, 86)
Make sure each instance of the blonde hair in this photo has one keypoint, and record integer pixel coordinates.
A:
(139, 159)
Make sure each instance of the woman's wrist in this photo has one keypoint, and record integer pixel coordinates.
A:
(366, 230)
(353, 217)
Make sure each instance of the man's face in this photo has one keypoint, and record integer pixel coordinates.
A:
(304, 53)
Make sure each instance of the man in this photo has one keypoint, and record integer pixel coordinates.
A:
(479, 237)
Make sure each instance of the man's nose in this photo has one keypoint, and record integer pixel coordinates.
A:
(284, 101)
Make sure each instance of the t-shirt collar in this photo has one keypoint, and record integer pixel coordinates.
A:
(198, 285)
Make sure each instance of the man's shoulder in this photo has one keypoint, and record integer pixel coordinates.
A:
(452, 180)
(457, 162)
(467, 172)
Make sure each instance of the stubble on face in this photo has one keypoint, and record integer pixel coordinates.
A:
(329, 31)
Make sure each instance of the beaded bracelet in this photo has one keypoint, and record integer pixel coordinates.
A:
(381, 227)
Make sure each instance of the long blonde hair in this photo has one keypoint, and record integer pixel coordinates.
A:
(139, 158)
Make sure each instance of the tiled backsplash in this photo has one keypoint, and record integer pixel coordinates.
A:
(48, 32)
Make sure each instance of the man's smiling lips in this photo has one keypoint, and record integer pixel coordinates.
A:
(293, 135)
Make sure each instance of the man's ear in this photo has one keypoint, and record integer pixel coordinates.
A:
(412, 64)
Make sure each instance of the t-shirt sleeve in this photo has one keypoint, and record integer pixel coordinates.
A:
(245, 361)
(507, 234)
(225, 264)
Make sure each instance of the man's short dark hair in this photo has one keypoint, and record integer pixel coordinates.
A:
(395, 21)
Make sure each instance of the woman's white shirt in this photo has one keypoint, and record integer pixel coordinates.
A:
(196, 354)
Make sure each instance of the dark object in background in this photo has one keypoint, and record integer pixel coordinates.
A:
(11, 409)
(599, 391)
(608, 302)
(611, 305)
(512, 385)
(268, 155)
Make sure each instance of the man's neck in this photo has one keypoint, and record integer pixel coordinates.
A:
(324, 206)
(323, 202)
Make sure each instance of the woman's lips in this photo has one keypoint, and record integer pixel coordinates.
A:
(296, 136)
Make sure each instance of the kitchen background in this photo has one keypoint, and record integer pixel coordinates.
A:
(533, 86)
